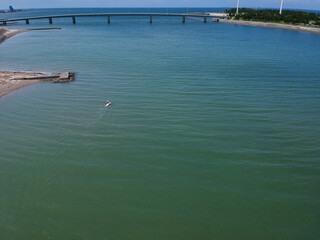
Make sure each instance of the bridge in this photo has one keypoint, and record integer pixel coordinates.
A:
(109, 15)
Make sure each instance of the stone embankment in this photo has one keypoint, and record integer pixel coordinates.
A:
(57, 78)
(273, 25)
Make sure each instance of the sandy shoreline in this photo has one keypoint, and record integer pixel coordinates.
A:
(273, 25)
(11, 81)
(6, 33)
(8, 83)
(7, 79)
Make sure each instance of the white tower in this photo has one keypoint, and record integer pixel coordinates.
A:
(238, 7)
(281, 7)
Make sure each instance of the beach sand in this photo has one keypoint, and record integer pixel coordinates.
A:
(8, 80)
(6, 33)
(11, 81)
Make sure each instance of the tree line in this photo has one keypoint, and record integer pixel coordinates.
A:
(268, 15)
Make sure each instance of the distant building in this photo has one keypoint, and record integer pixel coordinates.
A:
(11, 9)
(223, 15)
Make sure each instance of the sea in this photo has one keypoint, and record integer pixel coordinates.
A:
(213, 131)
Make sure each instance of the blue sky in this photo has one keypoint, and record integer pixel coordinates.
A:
(298, 4)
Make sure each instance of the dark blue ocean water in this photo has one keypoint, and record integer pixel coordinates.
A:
(213, 132)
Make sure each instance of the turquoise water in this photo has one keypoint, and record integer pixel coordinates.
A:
(213, 132)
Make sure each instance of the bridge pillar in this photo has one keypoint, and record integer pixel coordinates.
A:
(109, 21)
(27, 21)
(150, 19)
(183, 19)
(205, 19)
(50, 20)
(74, 20)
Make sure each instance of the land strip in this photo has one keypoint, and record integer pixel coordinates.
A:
(273, 25)
(6, 33)
(11, 81)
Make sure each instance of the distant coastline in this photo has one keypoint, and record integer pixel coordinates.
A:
(16, 11)
(11, 10)
(273, 25)
(294, 20)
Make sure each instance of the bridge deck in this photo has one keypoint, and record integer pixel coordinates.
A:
(4, 21)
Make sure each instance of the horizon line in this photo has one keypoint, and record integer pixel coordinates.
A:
(164, 7)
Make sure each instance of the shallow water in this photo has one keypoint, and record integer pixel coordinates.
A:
(213, 132)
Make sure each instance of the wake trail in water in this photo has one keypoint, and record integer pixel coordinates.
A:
(99, 115)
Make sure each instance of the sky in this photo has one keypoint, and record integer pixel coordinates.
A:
(291, 4)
